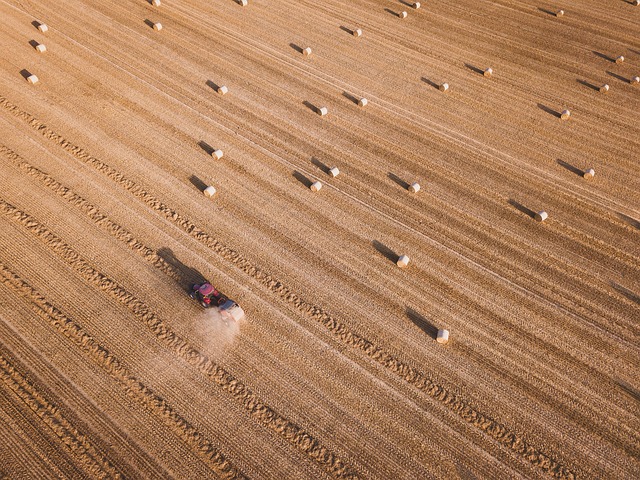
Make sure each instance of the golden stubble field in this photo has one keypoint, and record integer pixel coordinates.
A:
(109, 370)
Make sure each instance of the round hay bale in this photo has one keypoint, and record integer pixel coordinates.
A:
(157, 26)
(414, 187)
(488, 72)
(223, 90)
(559, 13)
(243, 3)
(217, 154)
(322, 111)
(402, 14)
(565, 115)
(589, 173)
(444, 87)
(306, 52)
(363, 102)
(155, 3)
(334, 172)
(635, 80)
(403, 261)
(541, 216)
(620, 59)
(210, 191)
(604, 88)
(315, 186)
(32, 79)
(357, 32)
(443, 336)
(41, 48)
(416, 5)
(43, 27)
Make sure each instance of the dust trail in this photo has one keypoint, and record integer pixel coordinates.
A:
(214, 333)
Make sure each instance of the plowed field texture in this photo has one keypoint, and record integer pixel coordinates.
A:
(513, 191)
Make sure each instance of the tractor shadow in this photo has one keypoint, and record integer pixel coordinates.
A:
(398, 180)
(570, 167)
(385, 251)
(422, 322)
(187, 276)
(521, 208)
(549, 110)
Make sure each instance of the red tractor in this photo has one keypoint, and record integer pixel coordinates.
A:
(209, 296)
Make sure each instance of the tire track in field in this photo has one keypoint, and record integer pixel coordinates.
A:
(499, 432)
(258, 409)
(92, 460)
(134, 388)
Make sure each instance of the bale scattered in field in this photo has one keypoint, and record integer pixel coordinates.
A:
(155, 3)
(488, 72)
(222, 90)
(636, 2)
(40, 48)
(559, 13)
(217, 154)
(620, 59)
(210, 191)
(416, 5)
(32, 79)
(306, 52)
(443, 336)
(315, 186)
(242, 3)
(635, 80)
(43, 27)
(414, 187)
(357, 32)
(444, 87)
(565, 115)
(604, 88)
(363, 102)
(402, 14)
(322, 111)
(157, 26)
(589, 173)
(334, 172)
(403, 261)
(541, 216)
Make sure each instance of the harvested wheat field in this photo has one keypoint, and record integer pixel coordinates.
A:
(118, 115)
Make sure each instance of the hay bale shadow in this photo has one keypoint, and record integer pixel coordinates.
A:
(617, 77)
(385, 251)
(352, 98)
(431, 82)
(522, 208)
(212, 85)
(25, 73)
(208, 149)
(396, 179)
(629, 220)
(322, 166)
(148, 22)
(303, 179)
(587, 84)
(602, 55)
(473, 68)
(571, 168)
(625, 292)
(549, 110)
(422, 322)
(198, 183)
(297, 48)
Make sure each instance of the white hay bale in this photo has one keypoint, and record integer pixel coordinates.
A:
(210, 191)
(402, 14)
(414, 187)
(41, 48)
(155, 3)
(416, 5)
(43, 27)
(217, 154)
(620, 59)
(565, 115)
(604, 88)
(541, 216)
(444, 87)
(32, 79)
(635, 80)
(443, 336)
(363, 102)
(315, 186)
(559, 13)
(157, 26)
(636, 2)
(223, 90)
(403, 261)
(589, 173)
(322, 111)
(357, 32)
(334, 172)
(306, 51)
(488, 72)
(243, 3)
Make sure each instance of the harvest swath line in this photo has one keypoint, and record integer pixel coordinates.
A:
(133, 387)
